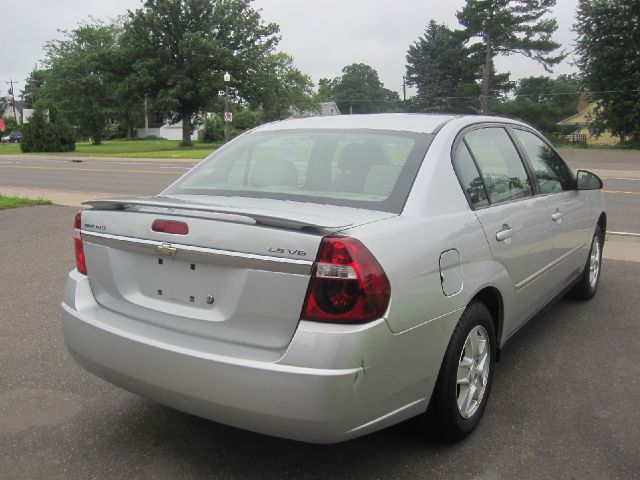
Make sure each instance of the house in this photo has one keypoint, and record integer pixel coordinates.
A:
(580, 122)
(20, 114)
(165, 130)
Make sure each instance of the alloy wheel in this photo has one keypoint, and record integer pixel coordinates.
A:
(473, 371)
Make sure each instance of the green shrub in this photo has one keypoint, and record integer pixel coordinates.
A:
(47, 135)
(212, 130)
(247, 119)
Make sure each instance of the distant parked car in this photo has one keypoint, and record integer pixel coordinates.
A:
(323, 278)
(13, 137)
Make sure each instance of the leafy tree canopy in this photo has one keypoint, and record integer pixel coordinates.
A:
(506, 27)
(608, 48)
(439, 65)
(47, 131)
(280, 86)
(359, 90)
(34, 84)
(80, 80)
(186, 46)
(543, 101)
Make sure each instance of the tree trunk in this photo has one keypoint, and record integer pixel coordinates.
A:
(97, 138)
(486, 76)
(129, 122)
(186, 130)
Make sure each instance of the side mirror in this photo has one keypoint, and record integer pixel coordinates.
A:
(588, 181)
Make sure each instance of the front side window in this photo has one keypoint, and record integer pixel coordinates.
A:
(371, 169)
(551, 172)
(502, 169)
(469, 176)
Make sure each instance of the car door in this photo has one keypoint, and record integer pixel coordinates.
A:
(570, 224)
(516, 223)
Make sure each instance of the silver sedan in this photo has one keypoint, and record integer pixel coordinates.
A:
(323, 278)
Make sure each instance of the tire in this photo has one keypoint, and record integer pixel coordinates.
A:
(457, 403)
(590, 278)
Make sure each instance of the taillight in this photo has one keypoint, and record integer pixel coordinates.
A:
(77, 241)
(347, 284)
(170, 226)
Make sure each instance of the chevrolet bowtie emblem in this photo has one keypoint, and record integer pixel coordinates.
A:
(166, 249)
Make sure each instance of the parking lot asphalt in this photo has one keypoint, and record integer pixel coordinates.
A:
(564, 403)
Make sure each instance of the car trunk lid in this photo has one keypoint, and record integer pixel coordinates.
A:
(240, 274)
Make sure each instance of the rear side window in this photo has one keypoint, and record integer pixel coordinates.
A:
(551, 172)
(502, 169)
(469, 176)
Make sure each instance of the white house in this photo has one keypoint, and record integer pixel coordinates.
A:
(166, 131)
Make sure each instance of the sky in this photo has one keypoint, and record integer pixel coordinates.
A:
(323, 36)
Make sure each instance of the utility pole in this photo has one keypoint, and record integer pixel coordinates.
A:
(227, 79)
(404, 88)
(146, 117)
(13, 99)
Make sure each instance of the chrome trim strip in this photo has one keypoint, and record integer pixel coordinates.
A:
(208, 255)
(542, 271)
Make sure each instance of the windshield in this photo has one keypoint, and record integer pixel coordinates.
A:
(370, 169)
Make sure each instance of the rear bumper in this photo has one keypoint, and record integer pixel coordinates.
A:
(334, 382)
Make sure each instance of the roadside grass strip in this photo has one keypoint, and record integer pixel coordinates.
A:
(15, 202)
(129, 149)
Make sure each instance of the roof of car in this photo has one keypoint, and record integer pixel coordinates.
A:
(408, 122)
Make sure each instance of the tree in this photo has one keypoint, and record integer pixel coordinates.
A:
(34, 84)
(47, 131)
(280, 86)
(324, 93)
(608, 49)
(442, 69)
(11, 125)
(506, 27)
(80, 78)
(543, 101)
(359, 90)
(186, 46)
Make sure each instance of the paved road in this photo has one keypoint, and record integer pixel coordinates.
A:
(564, 403)
(619, 169)
(118, 177)
(620, 172)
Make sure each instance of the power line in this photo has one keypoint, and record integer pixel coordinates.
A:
(473, 97)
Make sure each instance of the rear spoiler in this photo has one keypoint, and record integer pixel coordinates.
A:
(290, 220)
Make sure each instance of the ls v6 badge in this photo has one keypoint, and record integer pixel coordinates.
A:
(282, 251)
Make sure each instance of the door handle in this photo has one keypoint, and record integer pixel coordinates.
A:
(505, 234)
(557, 216)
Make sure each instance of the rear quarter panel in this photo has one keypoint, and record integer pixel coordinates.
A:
(436, 218)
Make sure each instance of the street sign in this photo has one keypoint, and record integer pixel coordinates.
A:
(228, 117)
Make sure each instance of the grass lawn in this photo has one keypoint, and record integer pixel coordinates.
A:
(13, 202)
(131, 148)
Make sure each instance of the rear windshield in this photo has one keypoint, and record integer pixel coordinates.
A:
(371, 169)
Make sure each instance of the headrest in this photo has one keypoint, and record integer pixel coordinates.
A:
(361, 156)
(268, 172)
